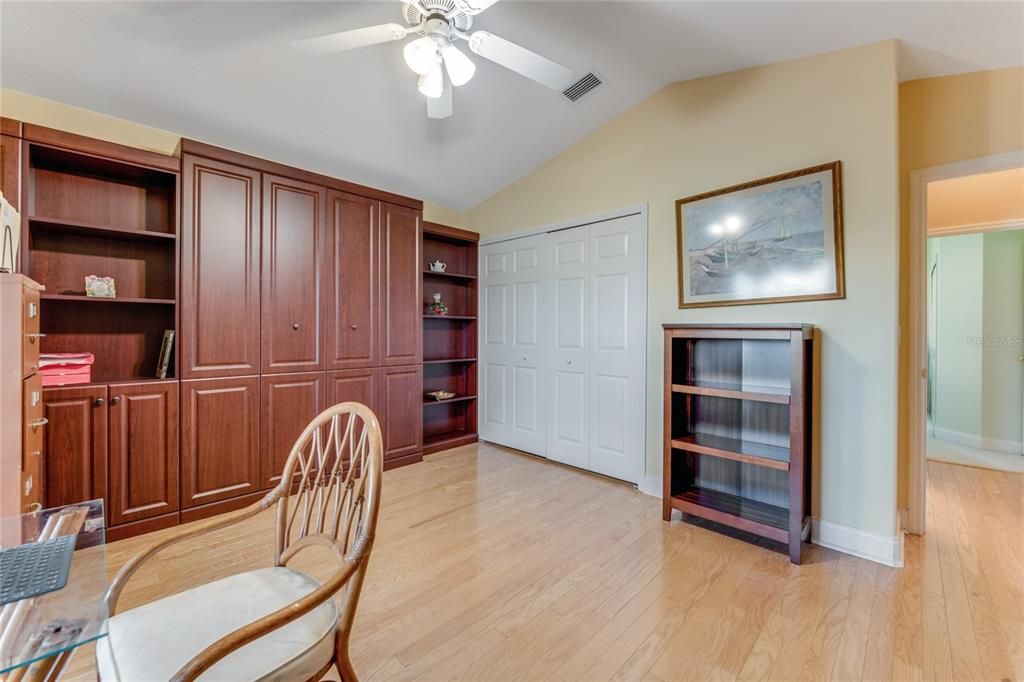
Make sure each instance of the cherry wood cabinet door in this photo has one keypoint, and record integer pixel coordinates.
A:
(293, 255)
(10, 169)
(402, 405)
(143, 450)
(220, 439)
(290, 402)
(220, 269)
(75, 449)
(402, 274)
(352, 310)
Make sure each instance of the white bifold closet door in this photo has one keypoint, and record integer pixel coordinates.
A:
(581, 340)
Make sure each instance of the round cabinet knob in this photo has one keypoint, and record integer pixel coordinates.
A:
(295, 326)
(115, 400)
(524, 358)
(354, 327)
(568, 362)
(99, 402)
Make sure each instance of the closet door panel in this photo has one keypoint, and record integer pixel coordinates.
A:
(352, 310)
(290, 402)
(143, 450)
(616, 327)
(220, 439)
(293, 253)
(402, 311)
(568, 385)
(220, 269)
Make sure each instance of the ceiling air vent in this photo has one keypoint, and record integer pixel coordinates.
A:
(582, 87)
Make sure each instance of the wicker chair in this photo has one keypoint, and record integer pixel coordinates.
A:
(273, 623)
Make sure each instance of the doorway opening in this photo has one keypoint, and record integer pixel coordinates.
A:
(966, 331)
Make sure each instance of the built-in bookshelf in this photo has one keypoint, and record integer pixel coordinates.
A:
(90, 214)
(450, 340)
(738, 427)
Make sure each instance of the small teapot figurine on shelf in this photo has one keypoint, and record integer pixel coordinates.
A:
(437, 307)
(438, 266)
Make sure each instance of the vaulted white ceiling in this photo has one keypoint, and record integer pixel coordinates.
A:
(226, 73)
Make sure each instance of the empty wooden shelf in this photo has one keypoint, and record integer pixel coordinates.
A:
(738, 427)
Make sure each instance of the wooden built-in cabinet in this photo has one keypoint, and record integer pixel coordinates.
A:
(143, 444)
(352, 310)
(75, 449)
(290, 402)
(293, 260)
(220, 439)
(402, 407)
(401, 334)
(220, 269)
(287, 290)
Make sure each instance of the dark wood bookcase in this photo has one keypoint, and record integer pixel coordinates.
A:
(450, 342)
(738, 427)
(91, 214)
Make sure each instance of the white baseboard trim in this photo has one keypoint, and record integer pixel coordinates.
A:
(650, 485)
(849, 540)
(972, 441)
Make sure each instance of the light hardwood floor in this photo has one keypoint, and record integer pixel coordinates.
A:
(492, 565)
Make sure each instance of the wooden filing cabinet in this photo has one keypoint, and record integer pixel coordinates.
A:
(22, 424)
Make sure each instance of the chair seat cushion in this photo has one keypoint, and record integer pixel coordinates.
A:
(153, 642)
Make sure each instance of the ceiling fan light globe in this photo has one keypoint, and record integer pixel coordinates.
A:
(460, 67)
(421, 55)
(431, 84)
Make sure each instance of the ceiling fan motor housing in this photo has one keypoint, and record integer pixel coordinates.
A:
(441, 9)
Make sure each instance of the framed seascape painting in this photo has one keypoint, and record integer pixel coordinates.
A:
(772, 240)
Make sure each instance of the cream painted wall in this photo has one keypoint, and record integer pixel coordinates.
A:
(698, 135)
(976, 199)
(45, 112)
(943, 120)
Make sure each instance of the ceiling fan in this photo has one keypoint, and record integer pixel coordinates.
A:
(440, 24)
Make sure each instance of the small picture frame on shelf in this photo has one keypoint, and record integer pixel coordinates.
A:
(100, 287)
(165, 354)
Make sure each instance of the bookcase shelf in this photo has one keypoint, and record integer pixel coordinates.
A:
(738, 427)
(449, 341)
(90, 214)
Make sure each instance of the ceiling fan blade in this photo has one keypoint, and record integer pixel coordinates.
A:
(521, 60)
(473, 6)
(441, 107)
(348, 40)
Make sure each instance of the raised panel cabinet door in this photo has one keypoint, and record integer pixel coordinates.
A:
(220, 269)
(220, 439)
(290, 402)
(402, 309)
(75, 444)
(293, 255)
(10, 169)
(402, 405)
(352, 302)
(143, 450)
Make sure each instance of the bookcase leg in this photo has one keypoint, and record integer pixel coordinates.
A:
(666, 510)
(795, 547)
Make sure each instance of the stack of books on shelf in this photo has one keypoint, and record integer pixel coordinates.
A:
(65, 369)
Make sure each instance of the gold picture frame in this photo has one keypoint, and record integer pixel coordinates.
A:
(771, 230)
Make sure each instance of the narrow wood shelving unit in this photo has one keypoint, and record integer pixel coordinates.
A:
(449, 341)
(738, 427)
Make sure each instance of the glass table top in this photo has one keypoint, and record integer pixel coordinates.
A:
(39, 627)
